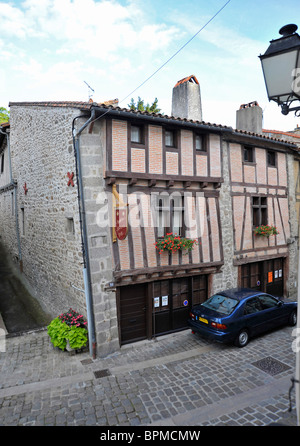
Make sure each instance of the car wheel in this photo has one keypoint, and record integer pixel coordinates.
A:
(293, 318)
(242, 338)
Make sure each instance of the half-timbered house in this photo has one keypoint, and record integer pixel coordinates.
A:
(104, 184)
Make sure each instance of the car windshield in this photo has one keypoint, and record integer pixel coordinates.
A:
(221, 304)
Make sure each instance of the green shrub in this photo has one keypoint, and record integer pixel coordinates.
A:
(62, 331)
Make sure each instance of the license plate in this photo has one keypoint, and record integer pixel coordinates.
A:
(201, 319)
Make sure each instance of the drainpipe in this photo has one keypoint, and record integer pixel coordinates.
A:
(14, 184)
(84, 237)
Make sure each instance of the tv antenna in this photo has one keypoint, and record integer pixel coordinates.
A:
(90, 90)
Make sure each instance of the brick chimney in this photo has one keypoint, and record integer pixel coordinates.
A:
(249, 118)
(186, 99)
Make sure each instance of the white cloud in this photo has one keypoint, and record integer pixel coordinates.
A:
(12, 21)
(95, 28)
(50, 47)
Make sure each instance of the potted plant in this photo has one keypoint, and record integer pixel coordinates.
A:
(69, 331)
(266, 230)
(173, 243)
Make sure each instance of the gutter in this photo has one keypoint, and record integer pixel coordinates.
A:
(161, 119)
(13, 185)
(188, 124)
(84, 237)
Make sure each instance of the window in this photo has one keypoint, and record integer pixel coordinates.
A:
(2, 163)
(268, 302)
(70, 228)
(169, 214)
(137, 134)
(259, 211)
(271, 158)
(170, 138)
(200, 143)
(221, 304)
(252, 306)
(248, 154)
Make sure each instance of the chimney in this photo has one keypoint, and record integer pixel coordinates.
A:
(249, 118)
(186, 99)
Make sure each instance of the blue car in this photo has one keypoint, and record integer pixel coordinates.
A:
(238, 314)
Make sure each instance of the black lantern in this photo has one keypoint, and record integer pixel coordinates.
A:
(281, 68)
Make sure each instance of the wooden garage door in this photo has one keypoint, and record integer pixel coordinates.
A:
(274, 277)
(133, 306)
(266, 276)
(172, 301)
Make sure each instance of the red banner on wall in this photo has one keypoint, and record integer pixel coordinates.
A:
(121, 223)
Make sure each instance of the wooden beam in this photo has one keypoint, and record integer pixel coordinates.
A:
(151, 183)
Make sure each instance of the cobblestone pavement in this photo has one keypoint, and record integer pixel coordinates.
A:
(176, 380)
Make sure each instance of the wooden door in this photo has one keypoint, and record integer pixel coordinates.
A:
(172, 301)
(133, 312)
(274, 277)
(252, 276)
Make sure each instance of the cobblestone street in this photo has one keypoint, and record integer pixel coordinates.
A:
(177, 380)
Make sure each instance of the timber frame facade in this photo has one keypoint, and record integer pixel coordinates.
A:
(204, 181)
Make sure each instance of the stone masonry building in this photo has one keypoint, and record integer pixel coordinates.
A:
(87, 189)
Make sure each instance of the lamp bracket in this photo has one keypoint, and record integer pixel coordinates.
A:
(286, 107)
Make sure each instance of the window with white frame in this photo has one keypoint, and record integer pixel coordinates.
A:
(169, 210)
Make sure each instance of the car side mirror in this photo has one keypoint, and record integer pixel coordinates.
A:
(279, 303)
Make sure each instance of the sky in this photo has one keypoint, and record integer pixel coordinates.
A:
(51, 49)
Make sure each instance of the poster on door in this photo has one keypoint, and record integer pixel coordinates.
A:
(164, 301)
(156, 302)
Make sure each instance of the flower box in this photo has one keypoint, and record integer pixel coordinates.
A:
(68, 331)
(173, 243)
(266, 230)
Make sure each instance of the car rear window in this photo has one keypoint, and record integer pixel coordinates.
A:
(221, 304)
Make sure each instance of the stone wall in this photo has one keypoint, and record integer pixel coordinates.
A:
(42, 155)
(293, 242)
(93, 149)
(228, 276)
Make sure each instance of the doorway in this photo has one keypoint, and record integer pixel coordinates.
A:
(133, 312)
(266, 276)
(160, 307)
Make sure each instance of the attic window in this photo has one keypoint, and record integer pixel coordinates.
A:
(271, 157)
(170, 138)
(200, 143)
(137, 134)
(248, 154)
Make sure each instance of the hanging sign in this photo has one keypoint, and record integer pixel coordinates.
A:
(120, 216)
(121, 223)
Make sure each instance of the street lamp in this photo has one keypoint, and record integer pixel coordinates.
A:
(281, 68)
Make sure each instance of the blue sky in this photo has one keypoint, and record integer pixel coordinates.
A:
(50, 48)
